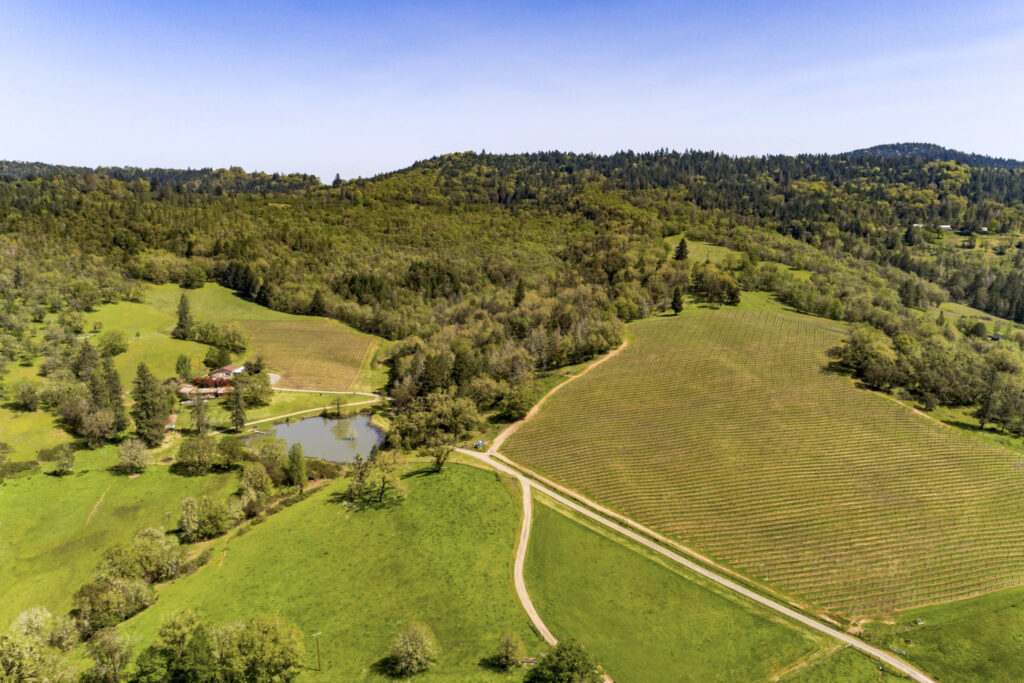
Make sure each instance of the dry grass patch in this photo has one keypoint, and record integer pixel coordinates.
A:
(309, 353)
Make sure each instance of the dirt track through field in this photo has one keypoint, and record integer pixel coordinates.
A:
(638, 533)
(514, 427)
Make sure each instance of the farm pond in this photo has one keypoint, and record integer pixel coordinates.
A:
(337, 440)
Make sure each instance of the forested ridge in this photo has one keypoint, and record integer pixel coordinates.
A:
(491, 268)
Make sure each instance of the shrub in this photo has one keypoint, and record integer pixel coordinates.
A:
(112, 343)
(567, 662)
(108, 601)
(133, 456)
(511, 650)
(65, 463)
(204, 518)
(414, 650)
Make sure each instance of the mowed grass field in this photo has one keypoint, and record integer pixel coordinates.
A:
(643, 619)
(54, 530)
(443, 556)
(981, 639)
(722, 429)
(308, 352)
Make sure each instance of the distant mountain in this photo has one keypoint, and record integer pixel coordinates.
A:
(929, 152)
(234, 180)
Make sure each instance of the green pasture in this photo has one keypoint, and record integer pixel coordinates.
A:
(443, 556)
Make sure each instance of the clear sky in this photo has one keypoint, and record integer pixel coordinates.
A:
(361, 88)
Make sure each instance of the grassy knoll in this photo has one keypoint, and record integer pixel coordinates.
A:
(309, 353)
(722, 429)
(54, 530)
(606, 594)
(981, 639)
(443, 557)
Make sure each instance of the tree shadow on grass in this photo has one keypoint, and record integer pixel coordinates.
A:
(387, 666)
(362, 503)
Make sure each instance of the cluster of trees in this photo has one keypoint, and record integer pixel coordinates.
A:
(263, 649)
(942, 364)
(123, 584)
(226, 339)
(81, 387)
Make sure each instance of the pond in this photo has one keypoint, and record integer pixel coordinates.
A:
(337, 440)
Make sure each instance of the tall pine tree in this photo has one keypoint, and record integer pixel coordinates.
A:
(151, 408)
(183, 330)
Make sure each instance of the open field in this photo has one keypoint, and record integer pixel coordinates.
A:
(53, 530)
(26, 432)
(308, 353)
(443, 556)
(722, 429)
(981, 639)
(604, 591)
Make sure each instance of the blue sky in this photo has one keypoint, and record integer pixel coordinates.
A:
(362, 88)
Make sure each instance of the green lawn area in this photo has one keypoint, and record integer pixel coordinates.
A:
(645, 620)
(980, 639)
(443, 557)
(53, 530)
(26, 433)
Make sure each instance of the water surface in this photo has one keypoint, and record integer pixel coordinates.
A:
(327, 438)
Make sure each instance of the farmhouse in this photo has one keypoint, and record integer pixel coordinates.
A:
(225, 373)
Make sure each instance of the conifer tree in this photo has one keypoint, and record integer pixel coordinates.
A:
(682, 250)
(150, 411)
(200, 414)
(236, 407)
(183, 330)
(115, 394)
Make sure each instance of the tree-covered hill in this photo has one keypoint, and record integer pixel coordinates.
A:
(491, 268)
(930, 152)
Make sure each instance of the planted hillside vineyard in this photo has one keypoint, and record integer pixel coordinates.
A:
(723, 429)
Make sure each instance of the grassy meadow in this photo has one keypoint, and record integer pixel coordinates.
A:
(443, 557)
(53, 530)
(308, 352)
(723, 429)
(606, 592)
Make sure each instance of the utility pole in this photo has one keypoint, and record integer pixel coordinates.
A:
(316, 637)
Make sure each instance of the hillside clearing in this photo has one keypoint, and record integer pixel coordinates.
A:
(308, 352)
(722, 429)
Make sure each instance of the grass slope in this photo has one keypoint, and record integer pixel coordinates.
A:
(722, 428)
(606, 594)
(53, 530)
(308, 353)
(443, 557)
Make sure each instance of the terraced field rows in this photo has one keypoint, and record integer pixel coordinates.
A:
(722, 429)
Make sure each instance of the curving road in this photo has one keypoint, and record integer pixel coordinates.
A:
(517, 570)
(639, 533)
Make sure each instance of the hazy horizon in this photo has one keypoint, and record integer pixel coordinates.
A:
(327, 88)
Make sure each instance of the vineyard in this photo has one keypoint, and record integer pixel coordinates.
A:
(309, 353)
(724, 430)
